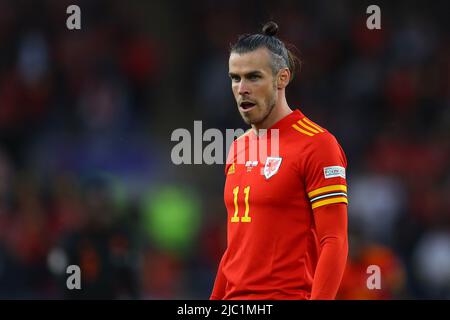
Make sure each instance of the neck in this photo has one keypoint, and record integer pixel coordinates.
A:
(279, 111)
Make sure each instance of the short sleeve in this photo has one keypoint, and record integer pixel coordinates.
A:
(325, 171)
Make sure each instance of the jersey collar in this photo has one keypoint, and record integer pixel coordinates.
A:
(287, 121)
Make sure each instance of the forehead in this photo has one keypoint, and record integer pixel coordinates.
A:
(258, 59)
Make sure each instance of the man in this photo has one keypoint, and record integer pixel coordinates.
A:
(287, 213)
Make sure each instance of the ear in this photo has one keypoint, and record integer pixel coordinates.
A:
(284, 76)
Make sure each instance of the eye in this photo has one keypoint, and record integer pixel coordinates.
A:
(235, 78)
(254, 77)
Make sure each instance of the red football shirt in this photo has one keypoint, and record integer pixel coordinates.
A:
(272, 247)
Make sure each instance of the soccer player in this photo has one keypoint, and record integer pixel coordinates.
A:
(287, 212)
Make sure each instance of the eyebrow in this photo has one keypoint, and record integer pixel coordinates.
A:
(248, 74)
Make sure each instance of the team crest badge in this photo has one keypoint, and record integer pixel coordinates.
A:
(271, 167)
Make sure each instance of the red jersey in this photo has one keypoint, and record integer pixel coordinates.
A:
(272, 247)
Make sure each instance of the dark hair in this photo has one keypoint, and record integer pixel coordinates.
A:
(282, 57)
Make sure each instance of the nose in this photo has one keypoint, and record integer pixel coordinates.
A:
(243, 88)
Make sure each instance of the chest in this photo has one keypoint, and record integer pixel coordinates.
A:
(265, 181)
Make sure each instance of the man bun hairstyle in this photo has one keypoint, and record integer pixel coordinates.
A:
(282, 55)
(270, 29)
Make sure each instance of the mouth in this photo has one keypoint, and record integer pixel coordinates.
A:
(246, 106)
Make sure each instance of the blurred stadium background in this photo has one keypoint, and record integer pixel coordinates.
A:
(86, 118)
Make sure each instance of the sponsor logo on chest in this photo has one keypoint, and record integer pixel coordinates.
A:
(250, 165)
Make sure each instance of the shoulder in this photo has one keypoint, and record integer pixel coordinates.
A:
(312, 134)
(315, 142)
(307, 128)
(245, 134)
(325, 140)
(235, 148)
(239, 143)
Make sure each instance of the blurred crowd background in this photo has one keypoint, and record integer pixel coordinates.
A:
(86, 118)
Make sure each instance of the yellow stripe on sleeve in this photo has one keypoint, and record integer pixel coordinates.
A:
(302, 131)
(313, 125)
(329, 201)
(326, 189)
(304, 125)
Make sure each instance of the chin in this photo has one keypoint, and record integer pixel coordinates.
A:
(248, 119)
(253, 121)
